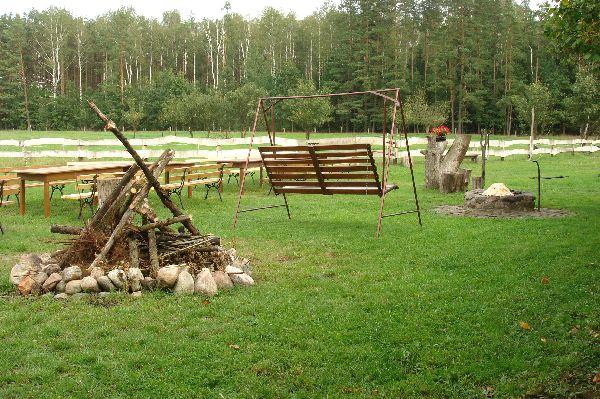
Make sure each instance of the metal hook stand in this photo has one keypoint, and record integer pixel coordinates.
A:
(539, 185)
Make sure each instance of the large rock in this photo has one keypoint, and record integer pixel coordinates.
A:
(89, 284)
(233, 270)
(105, 284)
(28, 265)
(167, 276)
(73, 287)
(135, 277)
(72, 273)
(149, 283)
(51, 268)
(28, 286)
(185, 283)
(241, 279)
(40, 278)
(222, 280)
(96, 272)
(205, 283)
(118, 278)
(60, 287)
(51, 282)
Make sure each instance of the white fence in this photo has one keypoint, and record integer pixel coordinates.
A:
(85, 148)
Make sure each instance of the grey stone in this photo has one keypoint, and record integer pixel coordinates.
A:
(80, 295)
(233, 270)
(167, 276)
(241, 279)
(72, 273)
(149, 283)
(96, 272)
(73, 287)
(51, 268)
(104, 294)
(222, 280)
(62, 296)
(185, 283)
(105, 284)
(51, 282)
(89, 284)
(135, 277)
(46, 259)
(118, 278)
(60, 287)
(136, 294)
(40, 277)
(205, 283)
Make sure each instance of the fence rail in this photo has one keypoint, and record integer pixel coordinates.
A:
(85, 148)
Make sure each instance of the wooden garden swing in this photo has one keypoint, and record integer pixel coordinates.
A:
(328, 169)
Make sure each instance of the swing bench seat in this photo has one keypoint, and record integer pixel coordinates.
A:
(323, 169)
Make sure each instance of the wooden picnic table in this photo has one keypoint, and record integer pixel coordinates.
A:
(55, 173)
(240, 163)
(49, 174)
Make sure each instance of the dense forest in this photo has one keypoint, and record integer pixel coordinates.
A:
(471, 64)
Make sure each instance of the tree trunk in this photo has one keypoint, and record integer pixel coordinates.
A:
(437, 164)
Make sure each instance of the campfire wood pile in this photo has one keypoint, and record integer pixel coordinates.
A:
(126, 246)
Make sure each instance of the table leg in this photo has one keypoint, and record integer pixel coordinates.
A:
(46, 198)
(262, 177)
(167, 177)
(22, 197)
(243, 178)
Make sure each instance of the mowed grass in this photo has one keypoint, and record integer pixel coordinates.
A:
(429, 312)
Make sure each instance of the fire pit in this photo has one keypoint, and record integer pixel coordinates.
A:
(499, 197)
(498, 201)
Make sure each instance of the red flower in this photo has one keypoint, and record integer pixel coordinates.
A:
(440, 130)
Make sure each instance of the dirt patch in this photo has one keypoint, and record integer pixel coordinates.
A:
(459, 210)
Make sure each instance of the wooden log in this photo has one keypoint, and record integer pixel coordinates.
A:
(451, 182)
(163, 223)
(153, 253)
(125, 219)
(476, 183)
(134, 253)
(111, 126)
(69, 230)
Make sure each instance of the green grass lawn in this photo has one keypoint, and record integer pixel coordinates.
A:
(429, 312)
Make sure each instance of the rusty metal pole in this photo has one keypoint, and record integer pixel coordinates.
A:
(384, 130)
(386, 167)
(410, 164)
(242, 176)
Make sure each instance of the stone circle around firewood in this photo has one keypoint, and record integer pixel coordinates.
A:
(40, 275)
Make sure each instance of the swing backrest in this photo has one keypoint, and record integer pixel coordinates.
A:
(322, 169)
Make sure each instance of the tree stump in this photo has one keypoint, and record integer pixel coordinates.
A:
(104, 188)
(442, 170)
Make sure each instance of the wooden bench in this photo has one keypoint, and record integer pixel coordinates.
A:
(4, 194)
(87, 190)
(208, 175)
(326, 170)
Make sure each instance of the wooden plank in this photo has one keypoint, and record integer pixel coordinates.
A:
(343, 168)
(322, 155)
(329, 184)
(326, 176)
(311, 190)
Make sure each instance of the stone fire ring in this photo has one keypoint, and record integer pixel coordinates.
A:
(518, 205)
